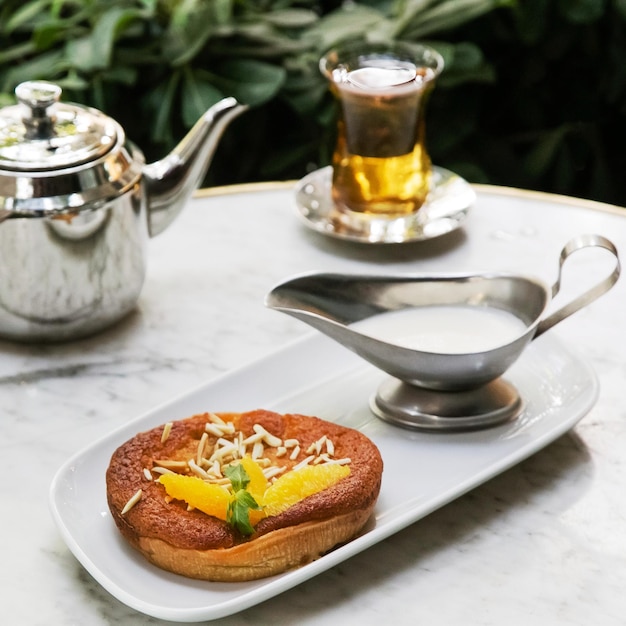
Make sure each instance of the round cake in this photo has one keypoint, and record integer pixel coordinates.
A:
(241, 496)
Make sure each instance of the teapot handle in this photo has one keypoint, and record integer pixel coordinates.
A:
(578, 243)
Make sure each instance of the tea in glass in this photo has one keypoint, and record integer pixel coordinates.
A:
(380, 163)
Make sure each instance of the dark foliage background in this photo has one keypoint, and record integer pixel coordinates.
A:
(533, 95)
(555, 117)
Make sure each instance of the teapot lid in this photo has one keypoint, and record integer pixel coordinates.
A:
(41, 133)
(57, 157)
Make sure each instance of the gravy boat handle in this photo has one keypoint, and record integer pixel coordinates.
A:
(578, 243)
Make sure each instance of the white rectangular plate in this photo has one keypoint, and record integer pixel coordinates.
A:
(318, 377)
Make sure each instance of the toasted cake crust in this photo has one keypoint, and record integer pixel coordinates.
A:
(161, 530)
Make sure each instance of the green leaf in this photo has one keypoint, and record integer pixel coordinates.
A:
(58, 7)
(407, 11)
(192, 25)
(306, 101)
(197, 96)
(250, 81)
(463, 62)
(238, 514)
(261, 39)
(238, 476)
(348, 22)
(25, 14)
(95, 50)
(47, 66)
(73, 82)
(120, 74)
(47, 34)
(161, 103)
(20, 51)
(222, 11)
(582, 11)
(292, 18)
(445, 16)
(82, 53)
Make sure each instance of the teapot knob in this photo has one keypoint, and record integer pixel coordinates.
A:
(38, 98)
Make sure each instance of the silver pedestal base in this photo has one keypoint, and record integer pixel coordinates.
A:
(425, 409)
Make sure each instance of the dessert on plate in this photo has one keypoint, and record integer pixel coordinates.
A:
(241, 496)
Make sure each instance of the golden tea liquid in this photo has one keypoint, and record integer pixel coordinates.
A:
(380, 164)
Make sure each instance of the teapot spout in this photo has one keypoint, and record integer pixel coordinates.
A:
(171, 181)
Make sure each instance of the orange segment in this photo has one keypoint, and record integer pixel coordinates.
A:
(210, 499)
(256, 487)
(301, 483)
(276, 498)
(258, 483)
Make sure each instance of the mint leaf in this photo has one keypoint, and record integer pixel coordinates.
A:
(238, 514)
(238, 476)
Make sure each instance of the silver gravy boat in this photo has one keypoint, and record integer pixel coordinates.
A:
(77, 206)
(432, 390)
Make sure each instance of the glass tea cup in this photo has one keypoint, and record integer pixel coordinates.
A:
(381, 167)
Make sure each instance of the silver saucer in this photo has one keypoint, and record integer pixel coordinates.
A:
(445, 210)
(424, 409)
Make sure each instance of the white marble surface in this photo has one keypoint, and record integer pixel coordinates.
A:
(543, 543)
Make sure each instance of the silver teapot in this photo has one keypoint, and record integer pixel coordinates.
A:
(78, 204)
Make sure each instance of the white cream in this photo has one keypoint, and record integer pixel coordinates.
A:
(446, 329)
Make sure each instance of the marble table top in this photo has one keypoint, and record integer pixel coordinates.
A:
(541, 543)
